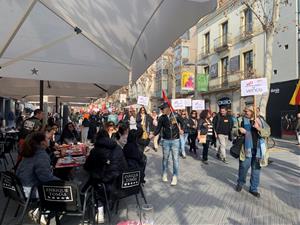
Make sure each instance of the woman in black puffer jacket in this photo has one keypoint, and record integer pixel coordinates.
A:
(135, 158)
(106, 161)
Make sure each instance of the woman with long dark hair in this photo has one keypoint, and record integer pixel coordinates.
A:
(144, 121)
(105, 163)
(69, 134)
(205, 128)
(35, 167)
(193, 131)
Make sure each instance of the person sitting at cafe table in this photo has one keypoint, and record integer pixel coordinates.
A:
(69, 134)
(35, 167)
(104, 164)
(110, 127)
(52, 146)
(136, 159)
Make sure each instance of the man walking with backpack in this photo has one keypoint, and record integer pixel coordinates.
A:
(222, 125)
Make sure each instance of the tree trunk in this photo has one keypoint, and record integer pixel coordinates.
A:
(262, 101)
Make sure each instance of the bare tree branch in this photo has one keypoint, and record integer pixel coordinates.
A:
(255, 13)
(275, 15)
(264, 11)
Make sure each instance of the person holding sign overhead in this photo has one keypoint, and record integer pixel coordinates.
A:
(170, 124)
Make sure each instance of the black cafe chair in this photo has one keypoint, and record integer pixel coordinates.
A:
(126, 185)
(6, 147)
(63, 198)
(13, 191)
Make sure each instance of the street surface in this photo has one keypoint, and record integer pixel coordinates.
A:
(205, 193)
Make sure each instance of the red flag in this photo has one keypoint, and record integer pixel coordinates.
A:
(167, 100)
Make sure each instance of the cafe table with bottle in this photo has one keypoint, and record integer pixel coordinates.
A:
(71, 155)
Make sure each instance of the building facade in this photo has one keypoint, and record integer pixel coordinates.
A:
(231, 47)
(185, 54)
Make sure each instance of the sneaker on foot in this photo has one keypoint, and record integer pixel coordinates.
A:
(238, 188)
(218, 156)
(183, 156)
(165, 178)
(34, 214)
(205, 162)
(147, 149)
(100, 215)
(225, 161)
(255, 194)
(174, 181)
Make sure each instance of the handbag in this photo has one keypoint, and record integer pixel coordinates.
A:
(202, 138)
(237, 146)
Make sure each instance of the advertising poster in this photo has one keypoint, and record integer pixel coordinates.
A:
(187, 81)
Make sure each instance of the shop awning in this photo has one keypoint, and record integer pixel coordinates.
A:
(90, 41)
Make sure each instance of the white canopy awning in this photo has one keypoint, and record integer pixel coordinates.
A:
(90, 41)
(66, 91)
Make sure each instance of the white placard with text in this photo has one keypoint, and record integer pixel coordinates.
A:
(142, 100)
(188, 102)
(253, 87)
(198, 104)
(178, 103)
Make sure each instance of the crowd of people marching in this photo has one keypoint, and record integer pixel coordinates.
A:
(121, 142)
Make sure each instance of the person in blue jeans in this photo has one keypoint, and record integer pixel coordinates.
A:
(185, 135)
(170, 124)
(251, 152)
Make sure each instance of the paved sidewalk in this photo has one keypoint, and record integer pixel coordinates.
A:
(205, 193)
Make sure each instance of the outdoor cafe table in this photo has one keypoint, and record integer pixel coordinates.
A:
(70, 157)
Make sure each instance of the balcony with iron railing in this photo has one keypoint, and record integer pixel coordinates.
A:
(247, 31)
(204, 52)
(226, 81)
(231, 80)
(223, 43)
(250, 74)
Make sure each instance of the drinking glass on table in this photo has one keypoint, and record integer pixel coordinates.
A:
(147, 214)
(133, 214)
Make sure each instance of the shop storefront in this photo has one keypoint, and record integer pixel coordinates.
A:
(280, 113)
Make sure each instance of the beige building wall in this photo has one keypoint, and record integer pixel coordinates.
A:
(239, 42)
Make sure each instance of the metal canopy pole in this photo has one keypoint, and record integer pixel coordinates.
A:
(41, 94)
(56, 104)
(17, 28)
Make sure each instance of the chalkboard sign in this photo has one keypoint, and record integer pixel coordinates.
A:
(131, 179)
(58, 193)
(7, 183)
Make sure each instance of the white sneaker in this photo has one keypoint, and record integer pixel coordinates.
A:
(165, 178)
(174, 181)
(100, 215)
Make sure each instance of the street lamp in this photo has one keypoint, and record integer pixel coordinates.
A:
(196, 71)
